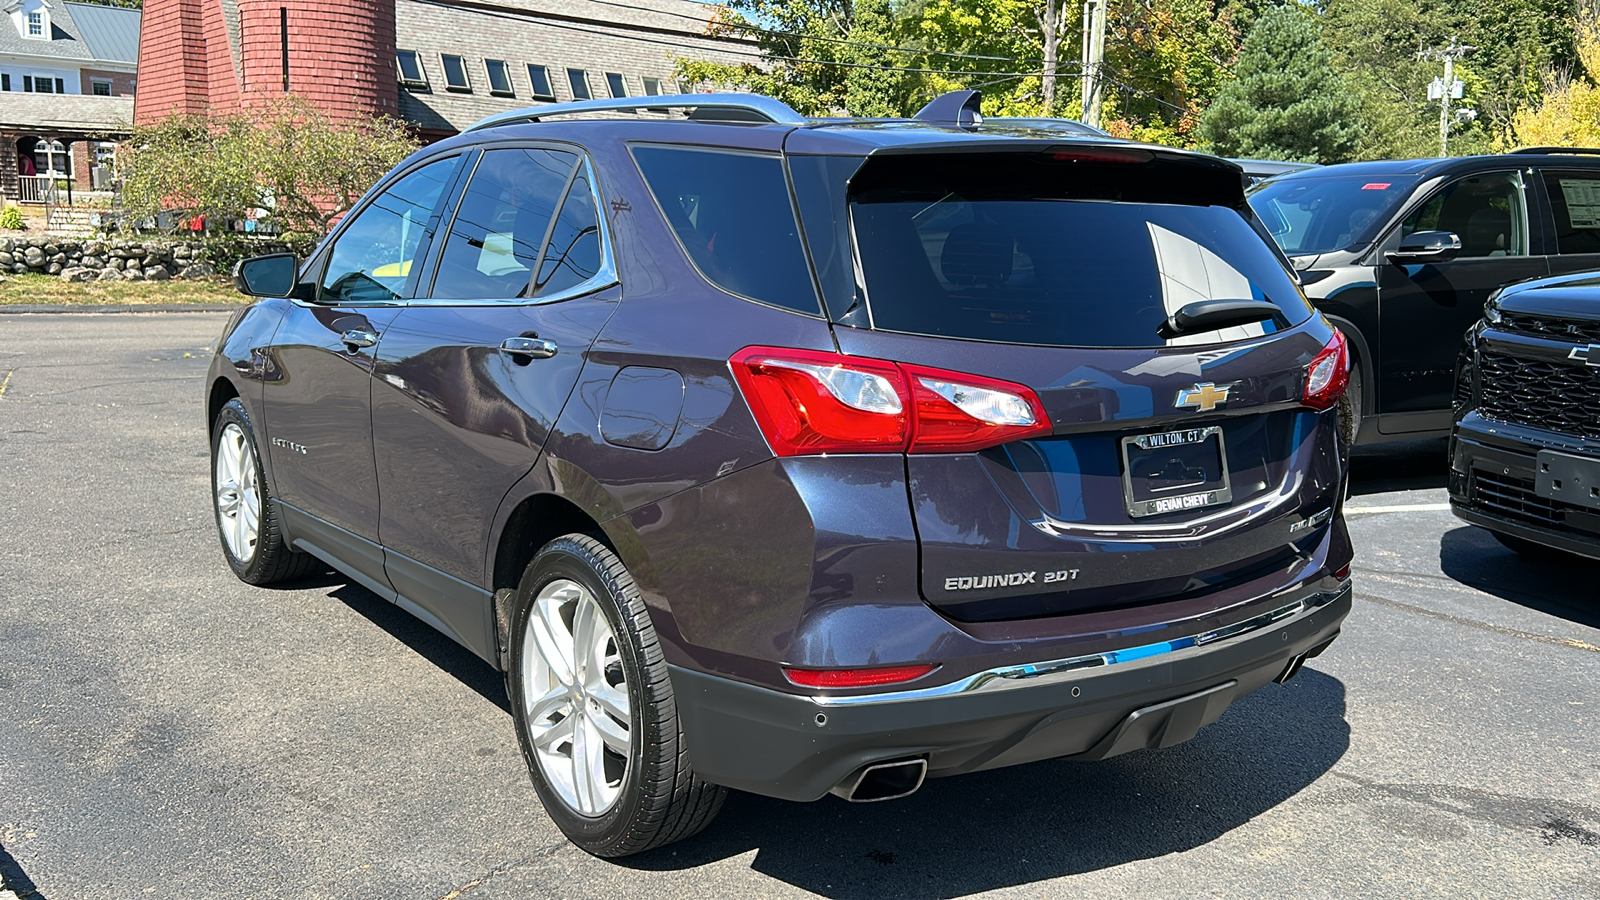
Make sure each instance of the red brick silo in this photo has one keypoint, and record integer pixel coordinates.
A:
(338, 55)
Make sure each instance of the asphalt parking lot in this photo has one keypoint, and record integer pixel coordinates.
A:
(168, 731)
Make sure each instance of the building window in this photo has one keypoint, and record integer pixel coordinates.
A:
(652, 87)
(36, 24)
(411, 74)
(619, 87)
(5, 82)
(455, 75)
(539, 77)
(499, 78)
(100, 88)
(579, 79)
(51, 158)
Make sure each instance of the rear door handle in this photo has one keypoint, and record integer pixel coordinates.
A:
(526, 348)
(356, 338)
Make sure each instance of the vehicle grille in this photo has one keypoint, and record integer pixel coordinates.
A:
(1550, 327)
(1513, 498)
(1540, 394)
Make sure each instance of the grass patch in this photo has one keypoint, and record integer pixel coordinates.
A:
(18, 290)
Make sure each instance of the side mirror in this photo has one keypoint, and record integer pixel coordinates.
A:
(1427, 246)
(274, 275)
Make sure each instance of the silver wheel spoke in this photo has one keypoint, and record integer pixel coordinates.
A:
(540, 709)
(577, 712)
(238, 494)
(550, 737)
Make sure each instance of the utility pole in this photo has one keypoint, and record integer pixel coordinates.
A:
(1094, 51)
(1050, 26)
(1448, 88)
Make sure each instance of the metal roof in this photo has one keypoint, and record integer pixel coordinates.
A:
(111, 32)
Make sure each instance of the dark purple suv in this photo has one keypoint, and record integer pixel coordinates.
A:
(800, 456)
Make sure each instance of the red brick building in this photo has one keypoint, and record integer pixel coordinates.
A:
(440, 64)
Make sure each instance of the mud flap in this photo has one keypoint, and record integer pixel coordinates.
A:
(1164, 724)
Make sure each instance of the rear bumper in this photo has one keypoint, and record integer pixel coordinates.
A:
(798, 747)
(1492, 476)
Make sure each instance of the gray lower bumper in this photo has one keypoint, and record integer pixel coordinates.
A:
(798, 747)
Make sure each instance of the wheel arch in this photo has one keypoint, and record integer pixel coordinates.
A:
(1360, 360)
(222, 390)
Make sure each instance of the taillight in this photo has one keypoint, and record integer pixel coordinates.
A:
(1328, 374)
(848, 678)
(956, 413)
(809, 402)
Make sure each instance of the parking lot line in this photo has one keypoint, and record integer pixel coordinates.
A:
(1409, 507)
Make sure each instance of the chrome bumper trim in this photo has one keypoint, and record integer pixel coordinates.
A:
(1059, 670)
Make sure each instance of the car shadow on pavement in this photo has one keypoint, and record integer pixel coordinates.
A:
(421, 637)
(14, 882)
(1022, 825)
(1400, 466)
(1556, 586)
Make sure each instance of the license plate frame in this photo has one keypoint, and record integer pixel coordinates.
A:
(1167, 499)
(1567, 478)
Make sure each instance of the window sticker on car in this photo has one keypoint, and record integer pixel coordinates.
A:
(1583, 202)
(1376, 186)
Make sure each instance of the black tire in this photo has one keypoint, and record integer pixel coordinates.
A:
(273, 560)
(1534, 551)
(661, 799)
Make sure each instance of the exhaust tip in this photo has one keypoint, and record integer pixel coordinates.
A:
(884, 781)
(1292, 669)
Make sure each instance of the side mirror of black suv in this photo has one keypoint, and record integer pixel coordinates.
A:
(1427, 246)
(267, 276)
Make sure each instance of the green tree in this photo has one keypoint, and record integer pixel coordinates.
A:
(1165, 62)
(874, 86)
(1286, 101)
(804, 59)
(286, 158)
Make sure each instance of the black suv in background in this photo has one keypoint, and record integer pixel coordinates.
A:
(800, 456)
(1402, 255)
(1525, 450)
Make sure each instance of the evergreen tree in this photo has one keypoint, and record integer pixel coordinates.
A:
(873, 88)
(1286, 101)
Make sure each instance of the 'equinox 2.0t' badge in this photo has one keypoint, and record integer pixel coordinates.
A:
(1204, 396)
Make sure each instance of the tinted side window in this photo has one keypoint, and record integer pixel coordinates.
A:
(1575, 200)
(371, 260)
(573, 254)
(731, 212)
(1486, 211)
(500, 224)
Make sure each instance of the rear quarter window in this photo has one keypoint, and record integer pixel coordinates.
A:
(731, 213)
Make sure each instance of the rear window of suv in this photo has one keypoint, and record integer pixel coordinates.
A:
(1062, 254)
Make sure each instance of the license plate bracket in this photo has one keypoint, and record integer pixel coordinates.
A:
(1567, 478)
(1175, 471)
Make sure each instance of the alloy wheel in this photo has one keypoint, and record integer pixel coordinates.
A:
(238, 493)
(575, 698)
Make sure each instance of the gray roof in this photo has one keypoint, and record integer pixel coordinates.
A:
(111, 32)
(106, 33)
(67, 114)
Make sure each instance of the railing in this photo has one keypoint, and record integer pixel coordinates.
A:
(47, 189)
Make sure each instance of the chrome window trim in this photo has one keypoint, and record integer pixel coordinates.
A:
(606, 276)
(1060, 670)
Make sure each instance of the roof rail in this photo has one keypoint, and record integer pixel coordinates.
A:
(1547, 151)
(775, 111)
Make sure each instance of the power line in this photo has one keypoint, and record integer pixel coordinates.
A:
(756, 29)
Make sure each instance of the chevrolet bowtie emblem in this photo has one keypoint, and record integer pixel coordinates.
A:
(1206, 396)
(1589, 356)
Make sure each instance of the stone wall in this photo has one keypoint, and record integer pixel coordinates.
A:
(111, 260)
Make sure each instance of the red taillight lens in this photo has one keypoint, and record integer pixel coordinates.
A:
(1328, 374)
(957, 412)
(809, 402)
(848, 678)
